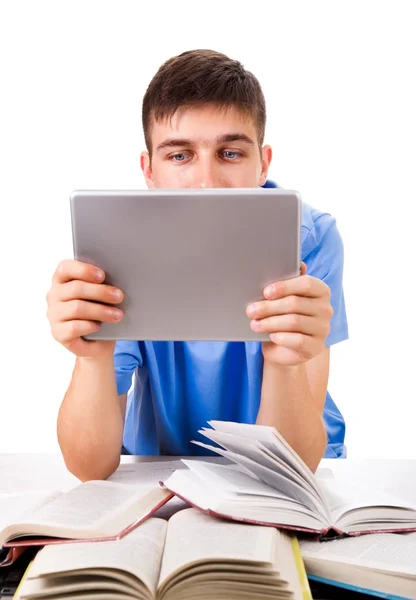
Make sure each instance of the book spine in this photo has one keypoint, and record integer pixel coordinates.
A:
(332, 534)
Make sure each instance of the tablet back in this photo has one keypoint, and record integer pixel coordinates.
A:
(189, 261)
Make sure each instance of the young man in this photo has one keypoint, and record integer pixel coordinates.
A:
(204, 121)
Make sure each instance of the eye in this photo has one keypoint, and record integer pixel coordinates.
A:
(231, 154)
(178, 157)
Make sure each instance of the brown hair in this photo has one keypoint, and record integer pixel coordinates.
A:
(199, 77)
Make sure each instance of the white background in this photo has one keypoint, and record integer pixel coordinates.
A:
(339, 80)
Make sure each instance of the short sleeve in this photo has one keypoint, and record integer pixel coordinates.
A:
(127, 357)
(326, 262)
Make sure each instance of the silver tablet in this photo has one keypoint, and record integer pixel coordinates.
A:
(188, 260)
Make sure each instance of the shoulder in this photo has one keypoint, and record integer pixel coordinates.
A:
(319, 232)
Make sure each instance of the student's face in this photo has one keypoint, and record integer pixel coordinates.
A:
(203, 147)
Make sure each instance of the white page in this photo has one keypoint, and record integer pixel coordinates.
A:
(231, 479)
(342, 496)
(203, 494)
(395, 477)
(52, 588)
(258, 452)
(192, 536)
(272, 439)
(15, 507)
(387, 551)
(145, 473)
(285, 486)
(148, 473)
(92, 505)
(138, 553)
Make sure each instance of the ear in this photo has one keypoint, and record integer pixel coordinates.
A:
(266, 159)
(147, 169)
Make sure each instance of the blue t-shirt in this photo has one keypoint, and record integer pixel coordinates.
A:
(176, 387)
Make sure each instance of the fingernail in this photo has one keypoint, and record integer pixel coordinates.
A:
(269, 290)
(117, 314)
(117, 294)
(251, 310)
(99, 275)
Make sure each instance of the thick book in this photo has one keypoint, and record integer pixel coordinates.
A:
(192, 555)
(381, 565)
(266, 482)
(93, 510)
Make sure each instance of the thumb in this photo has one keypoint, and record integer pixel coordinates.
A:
(302, 268)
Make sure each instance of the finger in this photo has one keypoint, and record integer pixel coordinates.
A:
(299, 305)
(308, 286)
(83, 290)
(87, 311)
(296, 323)
(304, 345)
(69, 331)
(68, 270)
(303, 268)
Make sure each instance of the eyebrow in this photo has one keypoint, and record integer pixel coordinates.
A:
(221, 139)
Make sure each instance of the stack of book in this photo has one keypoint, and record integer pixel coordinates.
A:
(251, 526)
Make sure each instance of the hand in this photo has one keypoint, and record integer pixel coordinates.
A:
(296, 313)
(78, 302)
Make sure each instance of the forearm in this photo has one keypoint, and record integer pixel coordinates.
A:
(287, 404)
(90, 420)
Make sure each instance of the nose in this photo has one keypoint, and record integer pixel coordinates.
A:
(206, 175)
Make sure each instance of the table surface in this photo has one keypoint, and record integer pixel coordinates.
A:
(22, 472)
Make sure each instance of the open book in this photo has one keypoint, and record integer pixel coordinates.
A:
(91, 510)
(268, 483)
(381, 564)
(190, 556)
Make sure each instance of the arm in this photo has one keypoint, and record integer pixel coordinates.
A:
(292, 401)
(91, 420)
(303, 316)
(296, 314)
